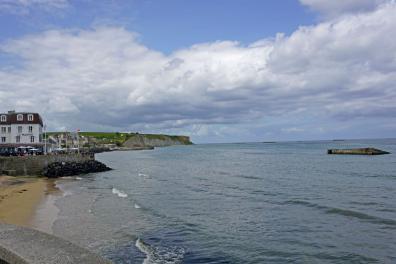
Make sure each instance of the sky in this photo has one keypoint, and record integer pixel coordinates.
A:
(216, 70)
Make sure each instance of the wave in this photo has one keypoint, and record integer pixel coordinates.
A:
(119, 193)
(156, 255)
(144, 175)
(79, 178)
(248, 177)
(144, 248)
(345, 212)
(363, 216)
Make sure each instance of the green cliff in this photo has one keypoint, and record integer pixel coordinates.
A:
(155, 140)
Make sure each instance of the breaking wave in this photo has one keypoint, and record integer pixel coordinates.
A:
(119, 193)
(156, 255)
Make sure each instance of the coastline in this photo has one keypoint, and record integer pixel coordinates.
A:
(28, 202)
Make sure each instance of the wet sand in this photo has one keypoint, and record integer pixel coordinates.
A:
(46, 212)
(25, 202)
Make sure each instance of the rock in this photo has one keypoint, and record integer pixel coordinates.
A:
(358, 151)
(61, 169)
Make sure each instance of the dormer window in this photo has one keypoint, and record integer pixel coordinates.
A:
(20, 117)
(30, 117)
(3, 118)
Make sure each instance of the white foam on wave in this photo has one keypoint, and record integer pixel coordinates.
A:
(142, 175)
(79, 178)
(67, 193)
(145, 249)
(137, 206)
(156, 255)
(119, 193)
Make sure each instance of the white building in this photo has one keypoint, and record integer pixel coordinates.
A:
(20, 130)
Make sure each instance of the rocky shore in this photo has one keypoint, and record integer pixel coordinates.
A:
(60, 169)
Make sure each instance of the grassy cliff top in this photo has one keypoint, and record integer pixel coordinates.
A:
(121, 137)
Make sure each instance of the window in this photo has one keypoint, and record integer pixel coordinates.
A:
(32, 139)
(3, 130)
(3, 139)
(20, 117)
(30, 129)
(30, 117)
(3, 118)
(19, 129)
(9, 129)
(18, 139)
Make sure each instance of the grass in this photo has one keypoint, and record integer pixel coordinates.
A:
(119, 138)
(183, 139)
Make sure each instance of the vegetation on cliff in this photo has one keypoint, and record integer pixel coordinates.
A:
(121, 138)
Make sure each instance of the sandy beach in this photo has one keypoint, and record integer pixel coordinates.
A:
(21, 197)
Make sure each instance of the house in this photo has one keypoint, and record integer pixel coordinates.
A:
(20, 130)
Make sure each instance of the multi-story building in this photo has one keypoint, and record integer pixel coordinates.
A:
(19, 129)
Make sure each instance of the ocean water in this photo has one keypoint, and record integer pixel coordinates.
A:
(284, 202)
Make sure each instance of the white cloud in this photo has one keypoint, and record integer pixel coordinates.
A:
(105, 79)
(24, 6)
(334, 8)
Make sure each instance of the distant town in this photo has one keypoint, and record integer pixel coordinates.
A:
(23, 133)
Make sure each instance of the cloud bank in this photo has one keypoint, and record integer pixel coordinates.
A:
(104, 78)
(337, 8)
(25, 6)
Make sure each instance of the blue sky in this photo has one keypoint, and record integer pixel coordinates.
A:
(167, 25)
(217, 70)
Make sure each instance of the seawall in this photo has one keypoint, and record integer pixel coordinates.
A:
(19, 245)
(34, 165)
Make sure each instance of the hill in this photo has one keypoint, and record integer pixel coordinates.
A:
(127, 140)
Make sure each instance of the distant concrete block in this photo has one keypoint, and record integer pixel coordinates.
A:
(358, 151)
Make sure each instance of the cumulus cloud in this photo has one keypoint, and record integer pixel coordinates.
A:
(105, 78)
(337, 8)
(24, 6)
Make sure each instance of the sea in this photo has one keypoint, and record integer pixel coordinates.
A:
(273, 202)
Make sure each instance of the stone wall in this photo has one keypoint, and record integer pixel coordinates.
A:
(34, 165)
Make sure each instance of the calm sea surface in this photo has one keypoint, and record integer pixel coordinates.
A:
(237, 203)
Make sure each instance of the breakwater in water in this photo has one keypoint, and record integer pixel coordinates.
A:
(60, 169)
(357, 151)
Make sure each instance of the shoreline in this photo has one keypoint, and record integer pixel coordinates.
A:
(28, 202)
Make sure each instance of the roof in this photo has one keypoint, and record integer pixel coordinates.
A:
(12, 118)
